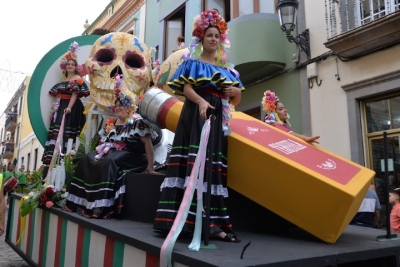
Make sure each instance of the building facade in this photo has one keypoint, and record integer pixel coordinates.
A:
(358, 99)
(19, 143)
(30, 150)
(260, 51)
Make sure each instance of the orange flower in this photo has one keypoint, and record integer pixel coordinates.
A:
(79, 81)
(68, 56)
(223, 27)
(110, 120)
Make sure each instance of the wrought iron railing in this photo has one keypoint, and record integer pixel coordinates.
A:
(12, 118)
(8, 148)
(345, 15)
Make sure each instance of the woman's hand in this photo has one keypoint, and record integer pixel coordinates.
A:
(231, 91)
(203, 106)
(234, 94)
(312, 139)
(67, 111)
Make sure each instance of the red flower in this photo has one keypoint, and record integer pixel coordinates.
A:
(49, 191)
(44, 198)
(198, 32)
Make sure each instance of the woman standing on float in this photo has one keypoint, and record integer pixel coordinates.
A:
(209, 85)
(67, 101)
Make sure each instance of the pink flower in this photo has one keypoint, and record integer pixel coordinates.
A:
(49, 204)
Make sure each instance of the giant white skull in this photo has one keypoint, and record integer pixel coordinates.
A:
(121, 53)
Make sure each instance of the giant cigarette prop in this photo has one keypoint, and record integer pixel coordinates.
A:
(305, 184)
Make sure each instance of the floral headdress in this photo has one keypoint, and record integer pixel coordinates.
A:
(71, 54)
(201, 23)
(122, 95)
(269, 101)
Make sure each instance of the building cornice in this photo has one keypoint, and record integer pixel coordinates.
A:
(123, 14)
(394, 75)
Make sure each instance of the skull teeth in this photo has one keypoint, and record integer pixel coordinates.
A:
(107, 85)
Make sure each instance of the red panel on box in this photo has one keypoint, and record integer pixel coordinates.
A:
(305, 154)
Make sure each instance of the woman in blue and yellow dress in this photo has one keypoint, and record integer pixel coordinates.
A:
(67, 95)
(209, 86)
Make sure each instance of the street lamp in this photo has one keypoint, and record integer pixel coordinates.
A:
(287, 11)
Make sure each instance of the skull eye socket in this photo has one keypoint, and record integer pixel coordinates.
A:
(104, 56)
(133, 60)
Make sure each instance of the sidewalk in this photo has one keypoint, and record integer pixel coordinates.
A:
(8, 257)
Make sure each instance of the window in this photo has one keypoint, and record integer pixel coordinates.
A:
(246, 7)
(28, 161)
(22, 161)
(35, 158)
(17, 136)
(383, 115)
(174, 27)
(20, 106)
(223, 7)
(267, 6)
(357, 13)
(110, 11)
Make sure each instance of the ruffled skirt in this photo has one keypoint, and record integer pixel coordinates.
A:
(182, 158)
(73, 125)
(98, 186)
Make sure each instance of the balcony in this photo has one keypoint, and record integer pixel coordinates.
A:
(8, 151)
(361, 27)
(11, 122)
(258, 46)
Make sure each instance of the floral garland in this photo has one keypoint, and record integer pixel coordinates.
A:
(47, 196)
(121, 95)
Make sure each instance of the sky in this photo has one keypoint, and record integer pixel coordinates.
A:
(31, 28)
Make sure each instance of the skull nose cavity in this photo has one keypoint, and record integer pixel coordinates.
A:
(104, 56)
(133, 60)
(116, 70)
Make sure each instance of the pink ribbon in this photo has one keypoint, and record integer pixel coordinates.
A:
(179, 222)
(60, 131)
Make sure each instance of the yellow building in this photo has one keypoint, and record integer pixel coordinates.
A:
(120, 15)
(20, 145)
(30, 150)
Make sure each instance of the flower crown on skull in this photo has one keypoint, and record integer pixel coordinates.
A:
(120, 93)
(71, 54)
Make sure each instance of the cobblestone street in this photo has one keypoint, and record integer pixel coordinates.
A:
(8, 257)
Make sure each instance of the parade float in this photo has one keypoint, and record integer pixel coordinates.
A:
(290, 202)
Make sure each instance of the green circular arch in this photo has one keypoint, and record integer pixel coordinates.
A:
(39, 106)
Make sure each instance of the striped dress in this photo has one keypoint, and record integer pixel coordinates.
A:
(74, 121)
(207, 81)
